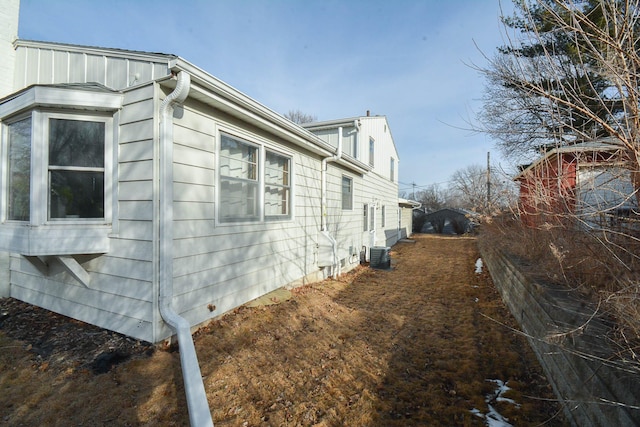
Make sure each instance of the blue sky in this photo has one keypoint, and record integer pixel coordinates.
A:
(407, 60)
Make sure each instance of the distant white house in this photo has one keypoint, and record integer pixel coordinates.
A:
(136, 186)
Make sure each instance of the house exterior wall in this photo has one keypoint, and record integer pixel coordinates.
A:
(406, 222)
(216, 266)
(8, 34)
(226, 265)
(377, 189)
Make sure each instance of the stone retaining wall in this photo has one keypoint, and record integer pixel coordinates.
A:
(570, 343)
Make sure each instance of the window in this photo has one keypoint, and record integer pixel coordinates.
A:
(76, 169)
(366, 217)
(372, 217)
(243, 186)
(347, 193)
(238, 180)
(19, 177)
(277, 188)
(70, 184)
(383, 213)
(371, 151)
(392, 170)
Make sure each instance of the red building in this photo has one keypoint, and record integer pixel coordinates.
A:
(585, 181)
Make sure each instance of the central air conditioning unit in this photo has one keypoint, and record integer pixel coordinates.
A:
(379, 257)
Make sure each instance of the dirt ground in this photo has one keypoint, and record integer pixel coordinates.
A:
(427, 343)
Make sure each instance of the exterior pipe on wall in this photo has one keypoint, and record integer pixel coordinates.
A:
(323, 183)
(199, 413)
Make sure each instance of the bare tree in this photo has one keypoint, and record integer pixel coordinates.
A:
(432, 198)
(470, 188)
(568, 73)
(299, 117)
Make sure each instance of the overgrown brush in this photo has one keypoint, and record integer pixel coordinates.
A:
(601, 265)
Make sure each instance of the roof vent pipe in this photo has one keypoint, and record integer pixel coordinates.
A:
(199, 413)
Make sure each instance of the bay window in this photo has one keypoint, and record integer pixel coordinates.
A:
(56, 151)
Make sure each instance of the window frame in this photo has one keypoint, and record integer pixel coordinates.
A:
(255, 181)
(392, 170)
(365, 217)
(5, 178)
(372, 152)
(286, 186)
(108, 147)
(349, 194)
(39, 193)
(263, 148)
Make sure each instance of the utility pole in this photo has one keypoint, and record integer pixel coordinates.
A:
(414, 190)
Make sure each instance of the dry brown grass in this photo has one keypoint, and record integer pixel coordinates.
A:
(411, 346)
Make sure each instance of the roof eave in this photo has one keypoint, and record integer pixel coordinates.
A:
(215, 92)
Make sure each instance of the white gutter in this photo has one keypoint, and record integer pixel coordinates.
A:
(323, 221)
(199, 413)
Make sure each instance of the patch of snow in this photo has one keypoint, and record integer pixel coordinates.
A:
(500, 391)
(493, 418)
(479, 266)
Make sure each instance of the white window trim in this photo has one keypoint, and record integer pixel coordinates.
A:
(41, 172)
(383, 217)
(263, 146)
(372, 152)
(352, 192)
(38, 236)
(365, 217)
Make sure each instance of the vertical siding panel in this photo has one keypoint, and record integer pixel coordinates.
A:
(117, 76)
(32, 64)
(60, 67)
(77, 67)
(46, 67)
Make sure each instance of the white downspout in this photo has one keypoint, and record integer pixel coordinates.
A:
(323, 225)
(199, 413)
